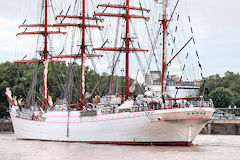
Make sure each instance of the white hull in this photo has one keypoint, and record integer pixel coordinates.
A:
(171, 126)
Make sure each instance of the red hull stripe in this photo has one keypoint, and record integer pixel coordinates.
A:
(135, 112)
(148, 111)
(181, 119)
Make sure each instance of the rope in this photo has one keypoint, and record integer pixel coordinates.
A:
(57, 78)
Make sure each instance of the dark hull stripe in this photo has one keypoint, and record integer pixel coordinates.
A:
(124, 143)
(146, 143)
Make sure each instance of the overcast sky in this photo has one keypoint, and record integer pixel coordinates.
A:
(216, 26)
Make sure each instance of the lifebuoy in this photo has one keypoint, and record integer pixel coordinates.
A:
(169, 106)
(35, 117)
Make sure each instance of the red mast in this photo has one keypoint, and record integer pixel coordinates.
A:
(165, 64)
(164, 51)
(83, 46)
(127, 37)
(44, 53)
(164, 22)
(127, 52)
(45, 32)
(45, 63)
(82, 88)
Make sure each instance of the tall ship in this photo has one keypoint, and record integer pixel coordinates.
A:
(143, 119)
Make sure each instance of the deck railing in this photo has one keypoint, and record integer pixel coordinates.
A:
(171, 104)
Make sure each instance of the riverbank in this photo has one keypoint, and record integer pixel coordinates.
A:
(6, 125)
(222, 127)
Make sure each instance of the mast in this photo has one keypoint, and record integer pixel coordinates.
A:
(82, 87)
(165, 23)
(45, 62)
(127, 52)
(127, 37)
(44, 53)
(164, 50)
(83, 54)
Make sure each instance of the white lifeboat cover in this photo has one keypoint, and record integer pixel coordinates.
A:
(148, 94)
(126, 105)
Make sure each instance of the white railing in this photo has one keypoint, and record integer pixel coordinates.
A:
(190, 104)
(171, 104)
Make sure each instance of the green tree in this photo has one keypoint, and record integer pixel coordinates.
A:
(237, 102)
(229, 79)
(222, 97)
(211, 83)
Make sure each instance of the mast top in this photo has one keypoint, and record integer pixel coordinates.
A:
(164, 9)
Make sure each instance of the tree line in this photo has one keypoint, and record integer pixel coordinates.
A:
(224, 91)
(19, 78)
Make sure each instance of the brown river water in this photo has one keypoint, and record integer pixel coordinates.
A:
(205, 147)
